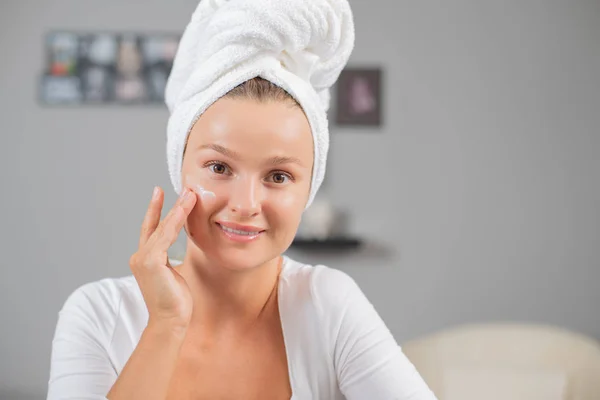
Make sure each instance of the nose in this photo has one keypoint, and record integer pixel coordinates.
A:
(246, 197)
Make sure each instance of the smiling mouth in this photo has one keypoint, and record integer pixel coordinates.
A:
(238, 232)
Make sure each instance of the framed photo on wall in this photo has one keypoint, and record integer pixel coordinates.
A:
(61, 83)
(158, 52)
(359, 97)
(97, 57)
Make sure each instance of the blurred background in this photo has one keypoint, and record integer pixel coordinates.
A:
(473, 183)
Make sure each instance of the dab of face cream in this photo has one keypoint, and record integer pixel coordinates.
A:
(203, 193)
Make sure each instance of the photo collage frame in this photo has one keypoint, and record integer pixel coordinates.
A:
(101, 68)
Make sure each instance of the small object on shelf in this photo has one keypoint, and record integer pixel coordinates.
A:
(319, 219)
(323, 229)
(332, 243)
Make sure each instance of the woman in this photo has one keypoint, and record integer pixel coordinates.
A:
(247, 141)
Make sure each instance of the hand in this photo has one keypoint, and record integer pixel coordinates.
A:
(165, 291)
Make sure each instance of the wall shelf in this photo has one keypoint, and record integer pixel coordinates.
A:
(334, 243)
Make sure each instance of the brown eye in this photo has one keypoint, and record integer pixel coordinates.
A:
(218, 168)
(280, 178)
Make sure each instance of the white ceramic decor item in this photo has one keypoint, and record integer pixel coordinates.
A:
(318, 220)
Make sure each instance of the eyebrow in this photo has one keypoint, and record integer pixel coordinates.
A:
(284, 160)
(220, 149)
(276, 160)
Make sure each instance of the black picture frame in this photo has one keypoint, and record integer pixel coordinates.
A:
(359, 97)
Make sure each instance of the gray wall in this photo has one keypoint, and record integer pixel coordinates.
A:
(480, 193)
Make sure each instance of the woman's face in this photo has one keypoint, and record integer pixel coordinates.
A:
(256, 158)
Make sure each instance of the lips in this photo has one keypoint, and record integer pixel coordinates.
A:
(240, 228)
(240, 233)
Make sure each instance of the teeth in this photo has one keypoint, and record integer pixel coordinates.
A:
(226, 229)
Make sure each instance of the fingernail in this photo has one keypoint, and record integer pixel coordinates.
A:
(183, 193)
(186, 195)
(155, 193)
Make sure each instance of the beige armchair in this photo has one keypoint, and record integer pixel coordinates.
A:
(508, 362)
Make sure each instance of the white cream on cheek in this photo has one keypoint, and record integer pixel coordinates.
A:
(203, 193)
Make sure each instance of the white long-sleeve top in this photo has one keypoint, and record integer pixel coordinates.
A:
(337, 345)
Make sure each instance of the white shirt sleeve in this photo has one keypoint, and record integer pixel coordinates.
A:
(369, 364)
(80, 368)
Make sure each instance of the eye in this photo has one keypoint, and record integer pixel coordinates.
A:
(218, 168)
(280, 177)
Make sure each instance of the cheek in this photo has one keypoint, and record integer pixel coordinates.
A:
(209, 191)
(198, 220)
(290, 200)
(286, 207)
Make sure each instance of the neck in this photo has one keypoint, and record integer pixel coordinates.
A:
(225, 297)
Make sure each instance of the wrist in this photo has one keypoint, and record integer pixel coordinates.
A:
(169, 329)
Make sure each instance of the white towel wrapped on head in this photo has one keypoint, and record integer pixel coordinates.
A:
(299, 45)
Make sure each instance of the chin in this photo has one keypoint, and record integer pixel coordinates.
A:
(240, 260)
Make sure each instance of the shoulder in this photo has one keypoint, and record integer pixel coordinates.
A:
(101, 294)
(95, 305)
(328, 288)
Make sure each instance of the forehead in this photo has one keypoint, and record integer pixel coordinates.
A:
(246, 125)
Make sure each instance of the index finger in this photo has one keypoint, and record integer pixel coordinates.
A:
(152, 217)
(167, 231)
